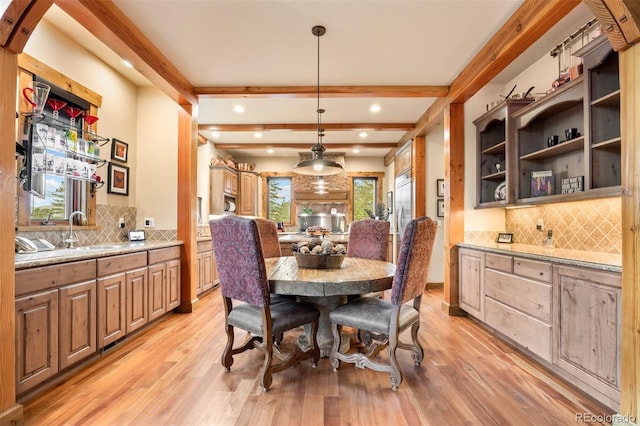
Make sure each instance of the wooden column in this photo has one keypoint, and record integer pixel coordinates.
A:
(630, 132)
(9, 410)
(419, 171)
(187, 178)
(454, 202)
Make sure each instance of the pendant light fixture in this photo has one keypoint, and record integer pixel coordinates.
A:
(318, 165)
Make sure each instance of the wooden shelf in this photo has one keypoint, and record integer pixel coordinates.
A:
(611, 144)
(495, 176)
(495, 149)
(612, 99)
(553, 151)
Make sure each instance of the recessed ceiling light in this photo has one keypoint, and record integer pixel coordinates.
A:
(126, 63)
(239, 109)
(355, 150)
(215, 135)
(363, 134)
(375, 108)
(270, 151)
(257, 135)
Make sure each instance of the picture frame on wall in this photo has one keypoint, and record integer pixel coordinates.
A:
(440, 207)
(439, 187)
(390, 202)
(118, 179)
(119, 150)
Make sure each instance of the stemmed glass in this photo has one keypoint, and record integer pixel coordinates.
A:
(72, 113)
(90, 119)
(56, 105)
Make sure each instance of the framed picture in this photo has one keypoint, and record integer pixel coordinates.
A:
(390, 202)
(504, 238)
(118, 179)
(439, 187)
(119, 150)
(440, 207)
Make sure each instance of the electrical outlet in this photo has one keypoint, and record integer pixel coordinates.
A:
(540, 225)
(149, 222)
(121, 222)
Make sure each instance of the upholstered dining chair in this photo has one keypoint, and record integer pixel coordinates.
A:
(268, 231)
(369, 239)
(390, 318)
(247, 304)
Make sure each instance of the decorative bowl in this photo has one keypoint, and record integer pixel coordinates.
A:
(319, 261)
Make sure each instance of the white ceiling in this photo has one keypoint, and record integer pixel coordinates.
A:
(269, 43)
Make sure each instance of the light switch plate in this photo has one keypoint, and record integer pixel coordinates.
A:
(149, 222)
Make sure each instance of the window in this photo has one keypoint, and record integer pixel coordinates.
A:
(364, 197)
(279, 199)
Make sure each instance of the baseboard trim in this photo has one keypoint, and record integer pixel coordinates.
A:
(12, 416)
(452, 310)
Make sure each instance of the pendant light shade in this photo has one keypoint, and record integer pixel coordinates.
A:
(318, 165)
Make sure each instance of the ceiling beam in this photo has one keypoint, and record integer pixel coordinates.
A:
(28, 14)
(302, 145)
(107, 22)
(326, 91)
(305, 126)
(533, 19)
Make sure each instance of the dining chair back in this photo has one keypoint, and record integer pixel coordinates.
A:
(244, 286)
(268, 231)
(388, 319)
(369, 239)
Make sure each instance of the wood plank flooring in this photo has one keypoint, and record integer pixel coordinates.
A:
(171, 374)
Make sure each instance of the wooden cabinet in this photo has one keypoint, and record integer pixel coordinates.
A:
(207, 272)
(587, 329)
(495, 139)
(247, 193)
(77, 326)
(164, 280)
(471, 277)
(403, 159)
(111, 309)
(173, 283)
(137, 303)
(36, 338)
(157, 290)
(223, 189)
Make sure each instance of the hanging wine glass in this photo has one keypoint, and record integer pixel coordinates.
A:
(72, 113)
(90, 120)
(56, 105)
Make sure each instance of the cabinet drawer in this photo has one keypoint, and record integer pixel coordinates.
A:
(540, 271)
(42, 278)
(530, 297)
(204, 246)
(499, 262)
(163, 254)
(126, 262)
(528, 332)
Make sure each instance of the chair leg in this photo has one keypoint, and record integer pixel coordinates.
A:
(227, 354)
(333, 355)
(418, 352)
(265, 373)
(395, 375)
(314, 344)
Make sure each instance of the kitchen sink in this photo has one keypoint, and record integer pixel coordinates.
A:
(102, 247)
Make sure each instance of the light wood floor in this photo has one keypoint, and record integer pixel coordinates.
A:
(171, 374)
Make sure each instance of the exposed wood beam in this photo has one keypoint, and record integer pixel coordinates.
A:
(107, 22)
(305, 126)
(10, 18)
(533, 19)
(303, 145)
(26, 24)
(327, 91)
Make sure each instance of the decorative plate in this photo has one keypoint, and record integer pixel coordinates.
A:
(501, 191)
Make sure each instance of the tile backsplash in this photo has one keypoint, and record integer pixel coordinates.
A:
(591, 225)
(107, 232)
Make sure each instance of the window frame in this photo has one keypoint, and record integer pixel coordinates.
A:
(379, 176)
(266, 176)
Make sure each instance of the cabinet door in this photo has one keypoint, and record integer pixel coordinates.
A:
(137, 299)
(230, 182)
(206, 275)
(248, 193)
(173, 284)
(200, 272)
(587, 328)
(36, 339)
(111, 309)
(471, 281)
(77, 331)
(157, 291)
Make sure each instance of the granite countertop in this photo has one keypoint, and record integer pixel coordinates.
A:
(588, 259)
(30, 260)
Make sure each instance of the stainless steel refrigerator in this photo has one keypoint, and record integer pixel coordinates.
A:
(404, 205)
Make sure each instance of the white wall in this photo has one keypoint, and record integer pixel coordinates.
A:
(156, 157)
(435, 170)
(118, 113)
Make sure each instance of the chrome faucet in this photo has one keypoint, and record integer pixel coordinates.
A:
(73, 238)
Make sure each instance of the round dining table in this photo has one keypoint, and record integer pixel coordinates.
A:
(326, 289)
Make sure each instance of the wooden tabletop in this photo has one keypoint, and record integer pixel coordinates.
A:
(356, 276)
